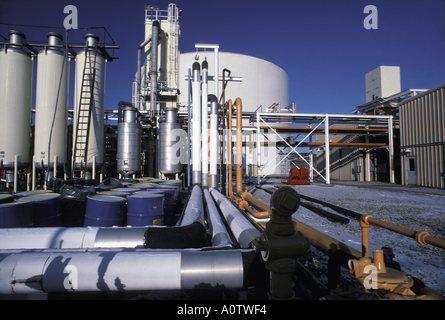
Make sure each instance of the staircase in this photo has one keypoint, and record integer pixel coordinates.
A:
(80, 152)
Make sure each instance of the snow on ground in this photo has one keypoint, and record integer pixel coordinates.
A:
(414, 208)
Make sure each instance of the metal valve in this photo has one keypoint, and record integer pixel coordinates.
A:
(280, 244)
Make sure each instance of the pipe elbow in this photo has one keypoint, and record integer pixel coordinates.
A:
(261, 214)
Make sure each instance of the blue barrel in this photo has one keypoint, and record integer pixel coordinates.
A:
(130, 190)
(114, 193)
(177, 183)
(31, 193)
(145, 209)
(170, 204)
(16, 215)
(6, 198)
(142, 186)
(46, 209)
(104, 211)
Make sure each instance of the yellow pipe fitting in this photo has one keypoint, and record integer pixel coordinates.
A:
(420, 237)
(243, 205)
(364, 223)
(379, 261)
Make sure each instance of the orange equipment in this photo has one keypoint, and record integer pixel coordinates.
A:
(298, 177)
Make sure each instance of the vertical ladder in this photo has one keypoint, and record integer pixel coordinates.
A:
(80, 154)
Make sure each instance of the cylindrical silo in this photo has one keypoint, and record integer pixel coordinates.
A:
(51, 105)
(96, 134)
(15, 103)
(129, 159)
(170, 143)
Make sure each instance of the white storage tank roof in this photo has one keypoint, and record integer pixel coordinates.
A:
(263, 83)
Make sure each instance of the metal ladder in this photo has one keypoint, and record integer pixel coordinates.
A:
(80, 153)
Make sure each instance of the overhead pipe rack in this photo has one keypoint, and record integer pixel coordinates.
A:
(266, 118)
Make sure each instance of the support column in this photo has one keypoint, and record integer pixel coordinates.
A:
(327, 156)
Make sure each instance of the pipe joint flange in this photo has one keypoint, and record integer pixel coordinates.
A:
(245, 194)
(420, 237)
(364, 223)
(243, 205)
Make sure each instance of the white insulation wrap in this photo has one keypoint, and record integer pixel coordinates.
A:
(113, 270)
(71, 238)
(242, 229)
(196, 124)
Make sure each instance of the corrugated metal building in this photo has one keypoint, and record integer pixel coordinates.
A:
(422, 125)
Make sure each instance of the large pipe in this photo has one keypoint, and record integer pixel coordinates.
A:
(213, 141)
(204, 124)
(220, 236)
(229, 150)
(242, 229)
(196, 124)
(71, 238)
(239, 147)
(191, 232)
(35, 271)
(154, 65)
(139, 70)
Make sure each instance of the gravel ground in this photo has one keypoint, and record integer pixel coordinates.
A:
(414, 208)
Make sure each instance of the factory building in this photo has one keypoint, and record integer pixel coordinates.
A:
(422, 139)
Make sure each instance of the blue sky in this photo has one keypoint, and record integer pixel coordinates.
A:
(321, 44)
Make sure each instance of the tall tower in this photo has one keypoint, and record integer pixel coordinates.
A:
(166, 59)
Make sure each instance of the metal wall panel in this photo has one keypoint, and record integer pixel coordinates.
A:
(422, 121)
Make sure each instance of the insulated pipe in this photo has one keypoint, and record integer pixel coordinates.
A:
(214, 147)
(195, 208)
(239, 146)
(220, 236)
(154, 65)
(229, 150)
(242, 229)
(204, 124)
(117, 270)
(71, 238)
(191, 232)
(139, 66)
(196, 123)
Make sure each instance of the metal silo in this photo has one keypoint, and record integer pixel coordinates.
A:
(15, 103)
(171, 137)
(51, 105)
(129, 143)
(95, 150)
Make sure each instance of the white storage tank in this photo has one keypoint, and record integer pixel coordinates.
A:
(96, 136)
(15, 103)
(263, 83)
(51, 105)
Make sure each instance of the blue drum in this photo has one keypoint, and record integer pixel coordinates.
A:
(114, 193)
(16, 215)
(145, 209)
(46, 209)
(6, 198)
(104, 211)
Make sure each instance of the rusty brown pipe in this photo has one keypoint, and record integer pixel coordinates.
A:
(239, 146)
(421, 237)
(244, 205)
(318, 239)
